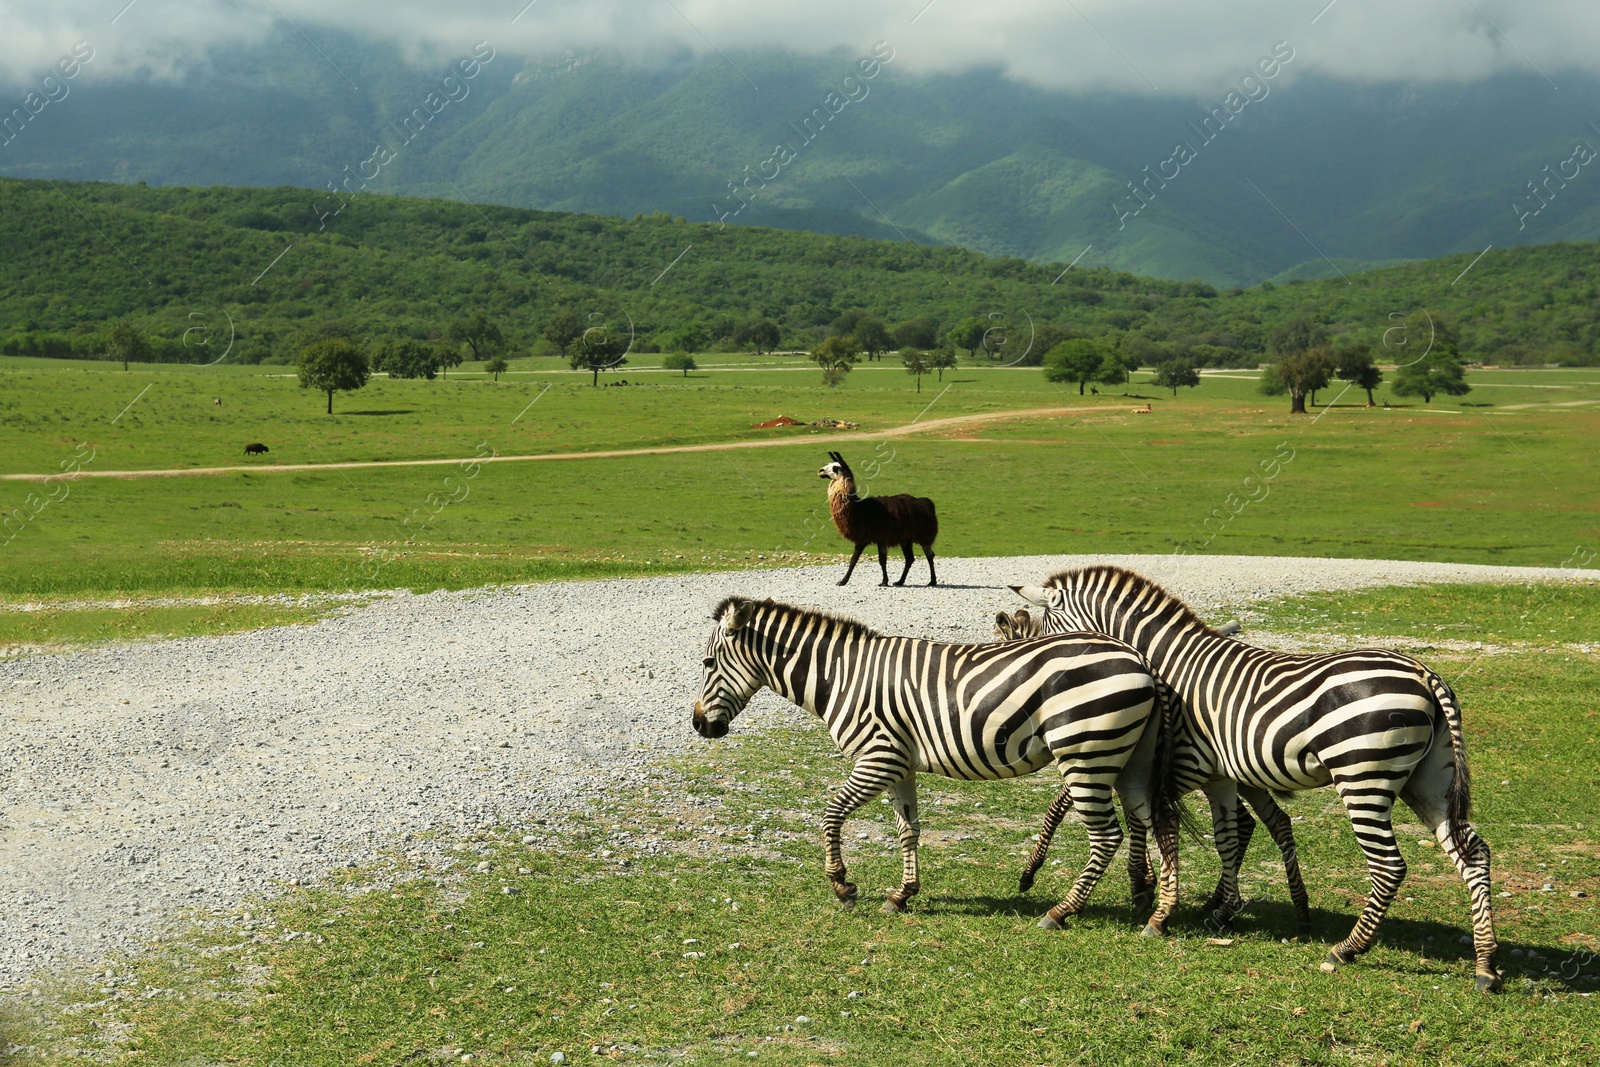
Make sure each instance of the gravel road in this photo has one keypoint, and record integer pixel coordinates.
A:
(139, 780)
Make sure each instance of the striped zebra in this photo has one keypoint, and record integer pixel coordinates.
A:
(900, 705)
(1231, 823)
(1374, 724)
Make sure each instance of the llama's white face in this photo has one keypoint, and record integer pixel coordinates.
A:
(833, 469)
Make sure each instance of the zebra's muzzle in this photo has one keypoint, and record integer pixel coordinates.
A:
(706, 727)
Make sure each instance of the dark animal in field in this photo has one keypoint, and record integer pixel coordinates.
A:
(879, 520)
(255, 449)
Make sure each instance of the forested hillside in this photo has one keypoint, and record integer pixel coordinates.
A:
(273, 266)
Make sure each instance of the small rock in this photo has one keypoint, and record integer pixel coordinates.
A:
(694, 955)
(558, 1057)
(691, 941)
(1518, 954)
(483, 867)
(528, 839)
(802, 1019)
(1577, 894)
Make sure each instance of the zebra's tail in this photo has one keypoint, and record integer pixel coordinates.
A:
(1458, 798)
(1166, 796)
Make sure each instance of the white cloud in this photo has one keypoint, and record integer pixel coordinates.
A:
(1176, 45)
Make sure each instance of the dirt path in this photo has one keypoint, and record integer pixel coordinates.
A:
(871, 435)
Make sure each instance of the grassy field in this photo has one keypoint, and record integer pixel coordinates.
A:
(730, 947)
(1499, 478)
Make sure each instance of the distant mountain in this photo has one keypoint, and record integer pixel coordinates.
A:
(1315, 178)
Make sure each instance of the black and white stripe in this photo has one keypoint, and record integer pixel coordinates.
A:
(1376, 725)
(900, 705)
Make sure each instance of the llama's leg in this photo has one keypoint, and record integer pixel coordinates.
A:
(1283, 836)
(1370, 806)
(852, 568)
(1052, 819)
(883, 562)
(862, 785)
(933, 578)
(905, 548)
(905, 815)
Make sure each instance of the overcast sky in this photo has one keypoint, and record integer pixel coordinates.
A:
(1177, 46)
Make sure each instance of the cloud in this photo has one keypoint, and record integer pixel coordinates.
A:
(1174, 46)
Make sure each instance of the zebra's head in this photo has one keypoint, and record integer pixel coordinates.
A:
(836, 467)
(730, 677)
(1057, 615)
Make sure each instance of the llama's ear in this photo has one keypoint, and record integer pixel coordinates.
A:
(1033, 594)
(736, 618)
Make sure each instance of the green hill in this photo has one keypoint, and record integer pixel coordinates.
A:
(187, 263)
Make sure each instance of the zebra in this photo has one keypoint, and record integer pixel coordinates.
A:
(1233, 829)
(1375, 724)
(900, 705)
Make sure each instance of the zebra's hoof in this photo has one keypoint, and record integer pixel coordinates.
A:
(1152, 930)
(1487, 983)
(1143, 901)
(1025, 883)
(1302, 931)
(1048, 922)
(893, 907)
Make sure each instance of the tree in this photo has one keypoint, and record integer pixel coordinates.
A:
(1175, 372)
(760, 335)
(128, 344)
(968, 334)
(679, 361)
(873, 337)
(916, 362)
(1082, 360)
(836, 355)
(333, 365)
(1357, 368)
(1439, 371)
(942, 359)
(1298, 374)
(496, 365)
(1295, 336)
(916, 333)
(598, 349)
(478, 333)
(408, 359)
(562, 329)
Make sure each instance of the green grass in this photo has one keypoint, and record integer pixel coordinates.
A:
(71, 624)
(1541, 614)
(408, 965)
(1455, 484)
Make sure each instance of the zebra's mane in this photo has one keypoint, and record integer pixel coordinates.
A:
(849, 625)
(1132, 585)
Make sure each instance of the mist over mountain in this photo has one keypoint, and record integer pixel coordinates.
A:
(1281, 172)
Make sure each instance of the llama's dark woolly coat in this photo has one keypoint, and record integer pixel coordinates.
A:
(882, 520)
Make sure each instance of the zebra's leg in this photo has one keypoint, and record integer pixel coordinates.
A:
(1425, 793)
(905, 814)
(1370, 807)
(906, 551)
(1052, 819)
(1092, 797)
(1282, 832)
(862, 785)
(883, 562)
(1141, 878)
(933, 578)
(848, 571)
(1231, 827)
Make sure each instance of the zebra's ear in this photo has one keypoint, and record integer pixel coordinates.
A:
(1033, 594)
(736, 619)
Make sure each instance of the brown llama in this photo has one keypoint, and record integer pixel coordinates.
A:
(879, 520)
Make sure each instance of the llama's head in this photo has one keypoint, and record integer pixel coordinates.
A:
(731, 675)
(836, 468)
